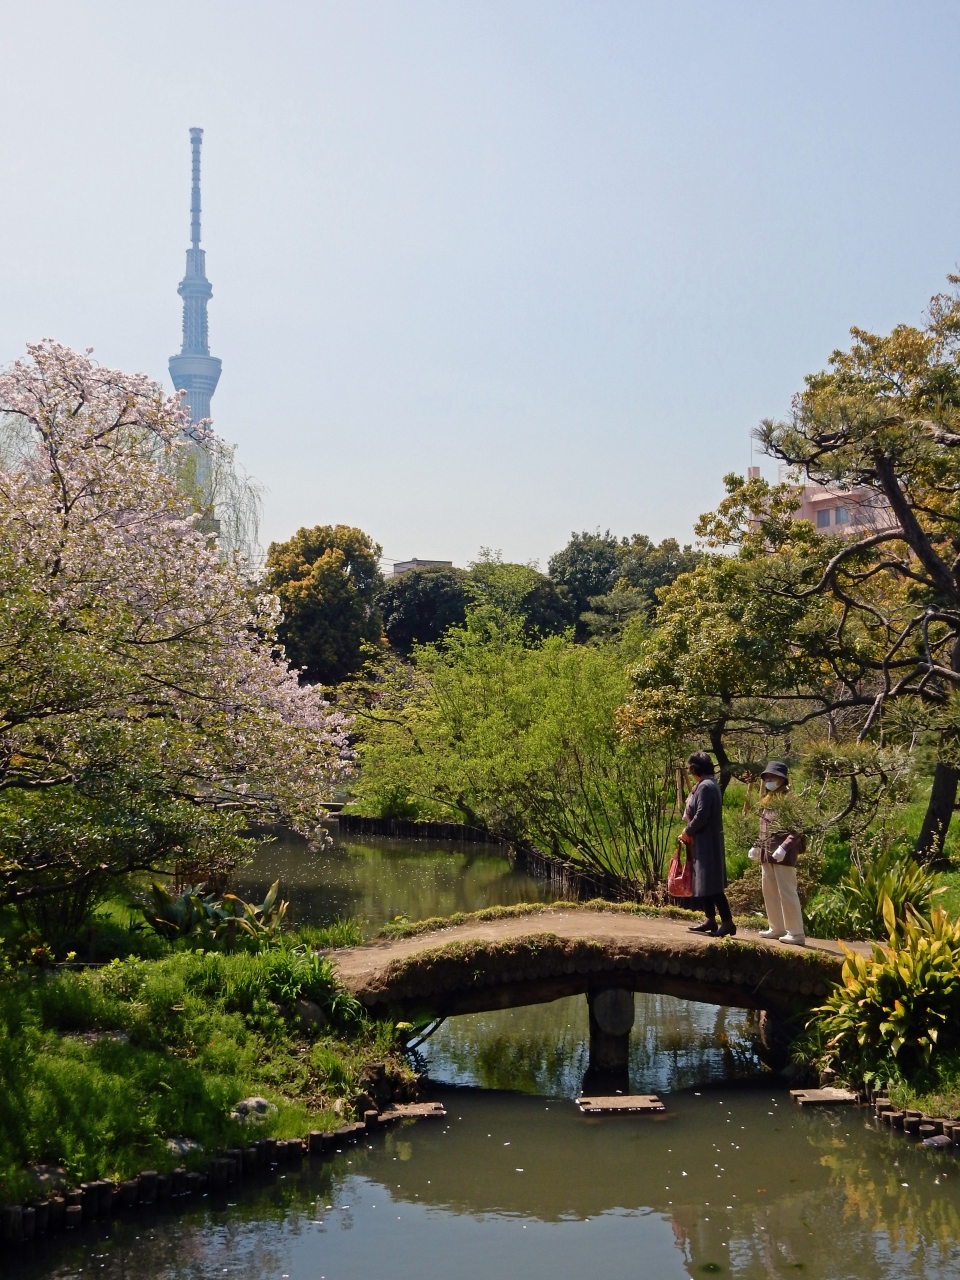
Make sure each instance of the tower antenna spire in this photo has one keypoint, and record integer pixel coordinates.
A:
(195, 370)
(196, 141)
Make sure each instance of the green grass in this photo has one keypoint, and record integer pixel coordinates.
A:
(342, 933)
(101, 1066)
(943, 1100)
(119, 931)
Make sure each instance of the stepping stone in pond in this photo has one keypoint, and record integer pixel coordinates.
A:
(824, 1097)
(412, 1110)
(642, 1102)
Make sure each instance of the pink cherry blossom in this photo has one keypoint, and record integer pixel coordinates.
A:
(126, 639)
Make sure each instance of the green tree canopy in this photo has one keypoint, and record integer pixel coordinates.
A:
(883, 424)
(647, 566)
(610, 579)
(421, 605)
(327, 579)
(588, 566)
(505, 593)
(522, 738)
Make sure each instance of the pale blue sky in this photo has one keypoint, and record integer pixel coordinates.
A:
(483, 272)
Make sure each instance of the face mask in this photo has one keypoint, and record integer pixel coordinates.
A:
(771, 786)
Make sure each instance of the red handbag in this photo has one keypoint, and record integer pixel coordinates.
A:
(680, 876)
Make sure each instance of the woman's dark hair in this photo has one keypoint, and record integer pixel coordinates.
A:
(700, 764)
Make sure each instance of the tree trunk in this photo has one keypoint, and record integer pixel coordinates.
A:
(723, 760)
(943, 793)
(936, 821)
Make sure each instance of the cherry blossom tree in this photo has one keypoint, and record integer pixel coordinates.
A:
(147, 713)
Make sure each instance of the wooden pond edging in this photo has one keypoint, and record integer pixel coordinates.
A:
(407, 829)
(21, 1223)
(931, 1131)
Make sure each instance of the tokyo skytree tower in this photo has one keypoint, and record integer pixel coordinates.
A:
(195, 370)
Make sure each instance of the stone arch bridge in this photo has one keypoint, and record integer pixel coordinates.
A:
(603, 954)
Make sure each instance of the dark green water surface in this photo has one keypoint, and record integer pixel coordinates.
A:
(373, 879)
(727, 1182)
(732, 1180)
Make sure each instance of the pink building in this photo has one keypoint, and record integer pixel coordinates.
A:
(846, 511)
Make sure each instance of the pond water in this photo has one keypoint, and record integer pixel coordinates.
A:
(733, 1179)
(372, 879)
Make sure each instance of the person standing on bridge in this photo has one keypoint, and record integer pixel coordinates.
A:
(703, 836)
(778, 847)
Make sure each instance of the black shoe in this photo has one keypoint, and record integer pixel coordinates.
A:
(708, 926)
(727, 930)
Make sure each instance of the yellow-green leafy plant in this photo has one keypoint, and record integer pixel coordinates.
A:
(854, 908)
(897, 1009)
(205, 917)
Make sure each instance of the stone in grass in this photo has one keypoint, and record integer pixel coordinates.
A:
(183, 1146)
(253, 1110)
(310, 1015)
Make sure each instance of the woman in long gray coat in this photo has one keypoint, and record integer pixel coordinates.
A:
(703, 836)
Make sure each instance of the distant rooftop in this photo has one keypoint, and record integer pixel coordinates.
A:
(404, 566)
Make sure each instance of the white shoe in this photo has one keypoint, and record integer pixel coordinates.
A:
(769, 933)
(795, 939)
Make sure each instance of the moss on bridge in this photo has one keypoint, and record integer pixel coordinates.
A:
(509, 957)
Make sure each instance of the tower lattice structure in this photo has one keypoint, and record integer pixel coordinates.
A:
(195, 370)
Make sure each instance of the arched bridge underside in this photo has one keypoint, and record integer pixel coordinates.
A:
(536, 958)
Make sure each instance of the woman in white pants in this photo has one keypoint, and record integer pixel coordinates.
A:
(778, 848)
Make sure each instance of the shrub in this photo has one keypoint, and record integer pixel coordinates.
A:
(100, 1067)
(854, 908)
(193, 915)
(898, 1007)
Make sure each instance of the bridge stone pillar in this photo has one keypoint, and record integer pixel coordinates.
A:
(772, 1038)
(611, 1017)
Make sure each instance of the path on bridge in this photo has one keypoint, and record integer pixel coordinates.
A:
(538, 957)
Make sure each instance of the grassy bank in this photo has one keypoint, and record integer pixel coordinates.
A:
(100, 1067)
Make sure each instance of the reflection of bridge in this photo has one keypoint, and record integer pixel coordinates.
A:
(605, 955)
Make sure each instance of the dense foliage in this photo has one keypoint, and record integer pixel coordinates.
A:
(521, 738)
(101, 1067)
(897, 1012)
(146, 711)
(326, 579)
(854, 908)
(508, 594)
(421, 605)
(612, 579)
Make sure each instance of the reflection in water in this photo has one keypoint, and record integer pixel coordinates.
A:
(373, 879)
(732, 1182)
(544, 1049)
(517, 1183)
